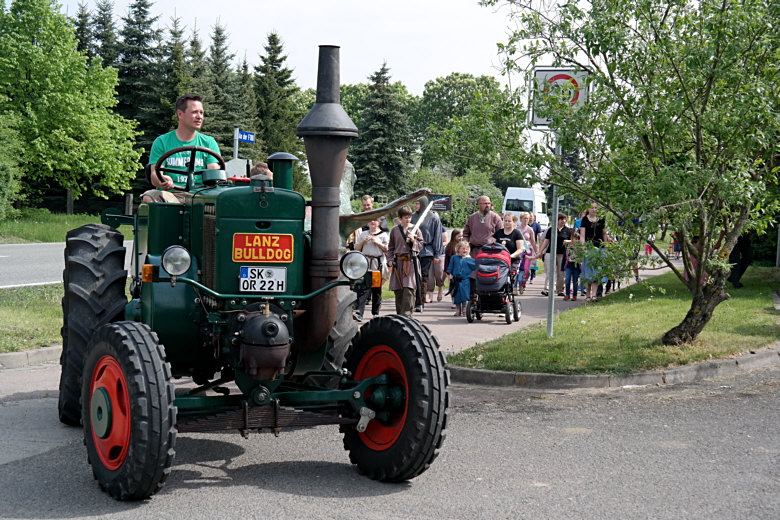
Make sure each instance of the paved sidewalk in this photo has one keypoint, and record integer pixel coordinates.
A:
(456, 334)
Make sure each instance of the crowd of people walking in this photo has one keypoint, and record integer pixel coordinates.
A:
(418, 255)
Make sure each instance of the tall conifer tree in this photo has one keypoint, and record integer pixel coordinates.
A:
(381, 153)
(139, 73)
(198, 67)
(275, 90)
(103, 28)
(175, 70)
(82, 29)
(222, 112)
(247, 113)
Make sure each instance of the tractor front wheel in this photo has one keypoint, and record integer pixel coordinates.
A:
(128, 413)
(411, 409)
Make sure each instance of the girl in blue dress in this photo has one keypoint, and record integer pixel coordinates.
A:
(459, 271)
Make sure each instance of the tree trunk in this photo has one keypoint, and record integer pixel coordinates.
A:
(700, 313)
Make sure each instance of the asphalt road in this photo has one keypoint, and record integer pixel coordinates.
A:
(36, 264)
(710, 449)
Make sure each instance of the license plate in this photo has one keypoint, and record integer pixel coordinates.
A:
(262, 279)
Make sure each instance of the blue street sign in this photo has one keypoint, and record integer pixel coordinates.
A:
(246, 137)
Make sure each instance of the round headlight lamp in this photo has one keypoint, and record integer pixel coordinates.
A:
(354, 265)
(176, 260)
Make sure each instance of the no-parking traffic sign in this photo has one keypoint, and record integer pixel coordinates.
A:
(570, 81)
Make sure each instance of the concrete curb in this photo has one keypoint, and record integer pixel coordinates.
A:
(685, 374)
(30, 357)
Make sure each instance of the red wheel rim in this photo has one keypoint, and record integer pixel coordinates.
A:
(109, 412)
(379, 360)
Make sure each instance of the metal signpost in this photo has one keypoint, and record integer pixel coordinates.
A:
(573, 84)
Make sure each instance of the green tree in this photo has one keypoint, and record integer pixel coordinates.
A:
(62, 108)
(465, 190)
(489, 136)
(198, 67)
(276, 90)
(82, 29)
(222, 103)
(175, 75)
(353, 99)
(103, 29)
(10, 173)
(247, 113)
(382, 152)
(681, 123)
(445, 100)
(140, 73)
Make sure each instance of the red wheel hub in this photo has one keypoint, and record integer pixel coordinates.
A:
(109, 412)
(379, 360)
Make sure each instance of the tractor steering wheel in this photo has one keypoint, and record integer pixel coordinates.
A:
(191, 171)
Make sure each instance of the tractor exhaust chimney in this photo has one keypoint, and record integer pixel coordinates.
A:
(326, 131)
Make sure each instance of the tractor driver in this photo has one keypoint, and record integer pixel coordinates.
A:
(189, 110)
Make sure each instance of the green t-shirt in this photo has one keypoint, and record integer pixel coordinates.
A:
(169, 141)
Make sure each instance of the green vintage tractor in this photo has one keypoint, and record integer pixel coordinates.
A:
(251, 316)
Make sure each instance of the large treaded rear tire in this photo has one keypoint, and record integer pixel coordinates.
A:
(128, 413)
(94, 280)
(404, 445)
(344, 329)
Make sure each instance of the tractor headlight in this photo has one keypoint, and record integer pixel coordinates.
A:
(354, 265)
(176, 260)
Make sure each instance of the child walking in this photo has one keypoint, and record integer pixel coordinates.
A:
(459, 271)
(571, 268)
(449, 252)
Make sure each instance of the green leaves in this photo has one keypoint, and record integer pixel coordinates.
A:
(63, 107)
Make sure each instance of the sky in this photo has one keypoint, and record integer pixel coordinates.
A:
(419, 39)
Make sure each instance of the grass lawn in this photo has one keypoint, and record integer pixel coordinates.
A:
(40, 225)
(30, 317)
(621, 334)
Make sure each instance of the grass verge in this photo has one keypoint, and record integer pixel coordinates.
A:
(30, 317)
(622, 333)
(40, 225)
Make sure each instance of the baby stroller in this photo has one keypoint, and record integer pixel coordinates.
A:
(495, 279)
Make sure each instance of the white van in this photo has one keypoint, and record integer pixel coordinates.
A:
(532, 200)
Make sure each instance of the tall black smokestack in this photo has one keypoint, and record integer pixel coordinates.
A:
(326, 131)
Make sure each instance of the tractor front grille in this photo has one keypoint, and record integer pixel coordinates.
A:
(209, 249)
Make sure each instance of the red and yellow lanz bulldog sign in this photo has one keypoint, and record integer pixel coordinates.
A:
(262, 247)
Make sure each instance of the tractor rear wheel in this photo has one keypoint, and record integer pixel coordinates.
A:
(128, 412)
(94, 279)
(343, 331)
(408, 430)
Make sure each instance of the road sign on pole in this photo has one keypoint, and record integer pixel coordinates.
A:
(571, 82)
(241, 136)
(573, 87)
(246, 137)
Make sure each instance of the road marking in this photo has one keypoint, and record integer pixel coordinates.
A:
(28, 284)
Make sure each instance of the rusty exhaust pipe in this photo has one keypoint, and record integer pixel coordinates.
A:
(326, 131)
